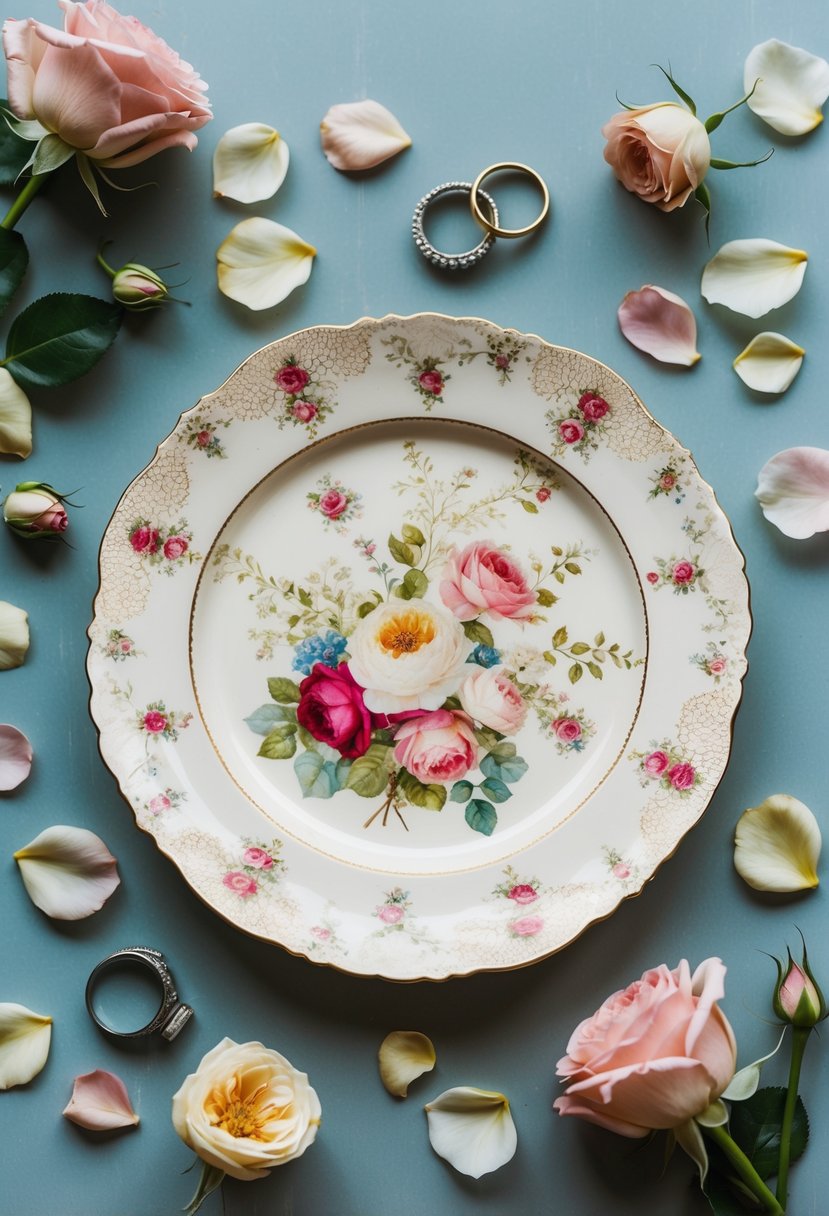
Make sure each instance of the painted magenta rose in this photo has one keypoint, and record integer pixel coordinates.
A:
(105, 84)
(683, 573)
(681, 776)
(568, 730)
(333, 503)
(175, 547)
(145, 539)
(408, 656)
(660, 153)
(571, 430)
(489, 696)
(246, 1109)
(654, 1055)
(439, 746)
(305, 411)
(431, 381)
(593, 407)
(331, 708)
(656, 763)
(484, 578)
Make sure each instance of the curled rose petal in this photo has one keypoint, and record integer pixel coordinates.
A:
(24, 1043)
(769, 363)
(15, 757)
(753, 276)
(777, 845)
(250, 163)
(472, 1129)
(404, 1056)
(793, 491)
(15, 417)
(68, 872)
(361, 134)
(100, 1102)
(14, 635)
(792, 86)
(260, 262)
(661, 324)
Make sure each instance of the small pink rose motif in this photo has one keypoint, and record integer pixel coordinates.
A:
(543, 493)
(125, 645)
(391, 914)
(523, 893)
(159, 804)
(655, 764)
(683, 573)
(652, 577)
(241, 884)
(203, 439)
(431, 382)
(567, 729)
(502, 362)
(291, 379)
(305, 411)
(527, 926)
(667, 481)
(257, 858)
(717, 666)
(144, 540)
(570, 430)
(593, 407)
(155, 722)
(369, 549)
(320, 933)
(681, 776)
(621, 870)
(332, 503)
(175, 547)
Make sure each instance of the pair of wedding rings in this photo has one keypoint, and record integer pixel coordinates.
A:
(489, 220)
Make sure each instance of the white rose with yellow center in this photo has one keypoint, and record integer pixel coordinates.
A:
(408, 656)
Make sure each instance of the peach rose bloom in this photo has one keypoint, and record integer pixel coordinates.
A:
(654, 1055)
(483, 578)
(660, 153)
(440, 746)
(489, 696)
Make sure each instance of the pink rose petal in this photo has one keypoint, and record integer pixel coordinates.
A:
(100, 1102)
(793, 491)
(15, 757)
(661, 324)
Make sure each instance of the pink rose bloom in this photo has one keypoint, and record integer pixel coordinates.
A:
(144, 540)
(158, 804)
(681, 776)
(490, 697)
(291, 379)
(526, 926)
(654, 1055)
(331, 708)
(682, 573)
(652, 577)
(106, 84)
(568, 730)
(305, 411)
(655, 764)
(482, 578)
(571, 430)
(502, 362)
(391, 914)
(155, 722)
(660, 153)
(592, 407)
(716, 666)
(175, 547)
(320, 933)
(620, 870)
(667, 481)
(523, 894)
(437, 746)
(543, 493)
(241, 884)
(257, 858)
(125, 645)
(332, 503)
(431, 382)
(203, 439)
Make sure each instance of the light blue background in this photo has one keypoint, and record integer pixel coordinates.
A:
(473, 83)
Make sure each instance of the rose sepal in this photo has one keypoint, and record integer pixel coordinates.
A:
(210, 1179)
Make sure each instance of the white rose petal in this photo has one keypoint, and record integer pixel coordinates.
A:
(472, 1129)
(24, 1044)
(777, 845)
(792, 86)
(14, 635)
(793, 490)
(261, 262)
(661, 324)
(769, 363)
(361, 134)
(100, 1102)
(404, 1056)
(15, 417)
(68, 872)
(250, 163)
(753, 276)
(744, 1084)
(15, 757)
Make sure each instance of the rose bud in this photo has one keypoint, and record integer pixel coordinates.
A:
(34, 509)
(797, 997)
(139, 288)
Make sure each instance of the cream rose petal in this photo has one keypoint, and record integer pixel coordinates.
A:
(472, 1129)
(100, 1102)
(15, 757)
(777, 845)
(744, 1084)
(793, 491)
(24, 1044)
(753, 276)
(792, 86)
(260, 262)
(404, 1056)
(769, 363)
(15, 417)
(14, 635)
(250, 163)
(68, 872)
(661, 324)
(361, 134)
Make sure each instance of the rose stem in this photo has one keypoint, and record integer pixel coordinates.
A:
(745, 1169)
(800, 1037)
(23, 199)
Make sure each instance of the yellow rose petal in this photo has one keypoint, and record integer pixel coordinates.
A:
(769, 363)
(250, 163)
(777, 845)
(24, 1044)
(261, 262)
(753, 276)
(404, 1056)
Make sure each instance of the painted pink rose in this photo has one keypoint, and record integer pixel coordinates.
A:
(125, 645)
(568, 730)
(667, 481)
(320, 933)
(681, 776)
(331, 708)
(683, 573)
(437, 746)
(305, 411)
(571, 430)
(332, 503)
(654, 1055)
(391, 914)
(291, 379)
(502, 362)
(159, 804)
(523, 893)
(155, 722)
(717, 666)
(543, 493)
(105, 84)
(593, 407)
(526, 926)
(145, 540)
(655, 764)
(175, 547)
(431, 382)
(652, 577)
(483, 578)
(489, 696)
(258, 858)
(241, 884)
(620, 870)
(203, 439)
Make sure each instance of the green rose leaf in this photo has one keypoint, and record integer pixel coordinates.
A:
(575, 673)
(280, 744)
(486, 737)
(481, 816)
(283, 690)
(560, 636)
(504, 751)
(461, 791)
(317, 777)
(264, 719)
(572, 567)
(595, 671)
(529, 507)
(412, 535)
(509, 769)
(478, 633)
(579, 648)
(341, 772)
(59, 338)
(495, 789)
(14, 258)
(365, 608)
(369, 774)
(416, 583)
(430, 797)
(14, 151)
(546, 598)
(400, 551)
(756, 1123)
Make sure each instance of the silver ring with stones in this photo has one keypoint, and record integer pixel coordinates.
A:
(451, 261)
(172, 1015)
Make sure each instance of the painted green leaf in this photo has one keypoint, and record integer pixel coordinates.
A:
(481, 816)
(263, 720)
(400, 551)
(504, 751)
(461, 791)
(575, 673)
(755, 1125)
(477, 632)
(14, 151)
(595, 671)
(414, 586)
(60, 337)
(495, 789)
(283, 690)
(280, 744)
(549, 657)
(14, 258)
(572, 567)
(430, 797)
(369, 774)
(487, 737)
(529, 507)
(365, 608)
(412, 535)
(317, 777)
(546, 598)
(510, 769)
(341, 769)
(560, 636)
(579, 648)
(599, 639)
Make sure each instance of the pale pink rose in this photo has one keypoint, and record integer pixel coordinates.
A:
(332, 503)
(568, 730)
(593, 407)
(320, 933)
(543, 493)
(667, 481)
(655, 764)
(159, 804)
(437, 746)
(241, 884)
(203, 439)
(106, 84)
(145, 539)
(717, 666)
(258, 858)
(654, 1055)
(431, 382)
(291, 379)
(652, 577)
(681, 776)
(527, 926)
(305, 411)
(391, 914)
(502, 362)
(571, 430)
(175, 547)
(523, 893)
(489, 696)
(683, 573)
(125, 645)
(155, 722)
(621, 870)
(660, 153)
(483, 578)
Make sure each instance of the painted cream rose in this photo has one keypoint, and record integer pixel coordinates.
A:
(246, 1109)
(489, 695)
(408, 656)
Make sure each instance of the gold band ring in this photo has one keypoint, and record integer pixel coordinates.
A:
(486, 223)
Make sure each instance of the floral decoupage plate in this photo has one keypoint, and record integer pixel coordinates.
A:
(417, 646)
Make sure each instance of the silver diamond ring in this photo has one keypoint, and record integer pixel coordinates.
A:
(452, 261)
(171, 1016)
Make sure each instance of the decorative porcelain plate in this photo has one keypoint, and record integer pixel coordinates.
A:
(418, 645)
